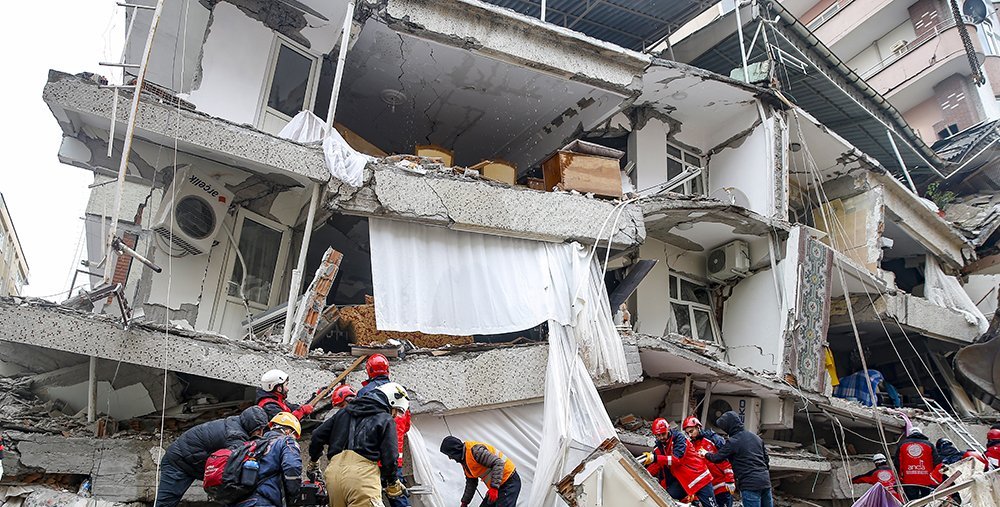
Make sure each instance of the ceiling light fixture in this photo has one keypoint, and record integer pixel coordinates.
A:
(679, 95)
(393, 98)
(795, 147)
(684, 226)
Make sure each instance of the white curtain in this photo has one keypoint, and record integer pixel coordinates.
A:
(947, 291)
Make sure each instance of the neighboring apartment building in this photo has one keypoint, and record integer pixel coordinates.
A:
(13, 265)
(757, 252)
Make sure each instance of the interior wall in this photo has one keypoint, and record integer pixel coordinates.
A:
(234, 65)
(752, 322)
(749, 167)
(648, 150)
(652, 295)
(644, 400)
(982, 289)
(854, 226)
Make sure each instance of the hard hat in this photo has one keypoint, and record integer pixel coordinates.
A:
(289, 421)
(660, 426)
(396, 395)
(915, 429)
(272, 379)
(691, 422)
(993, 434)
(879, 458)
(341, 393)
(377, 365)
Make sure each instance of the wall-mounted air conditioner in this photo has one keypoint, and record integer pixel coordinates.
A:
(729, 261)
(191, 214)
(747, 407)
(898, 46)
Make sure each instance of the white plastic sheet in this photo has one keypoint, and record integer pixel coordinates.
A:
(344, 163)
(947, 291)
(423, 469)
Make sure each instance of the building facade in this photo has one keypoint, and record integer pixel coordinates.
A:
(13, 265)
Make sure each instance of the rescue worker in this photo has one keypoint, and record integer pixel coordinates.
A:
(342, 395)
(706, 440)
(361, 445)
(482, 461)
(916, 458)
(280, 472)
(881, 474)
(272, 394)
(681, 470)
(993, 447)
(746, 452)
(184, 461)
(377, 368)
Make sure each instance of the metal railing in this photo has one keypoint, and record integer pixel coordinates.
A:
(909, 46)
(827, 14)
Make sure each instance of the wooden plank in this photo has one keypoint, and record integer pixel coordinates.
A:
(583, 173)
(645, 485)
(328, 389)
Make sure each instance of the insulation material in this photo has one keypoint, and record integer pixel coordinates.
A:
(946, 291)
(852, 225)
(362, 325)
(344, 162)
(515, 431)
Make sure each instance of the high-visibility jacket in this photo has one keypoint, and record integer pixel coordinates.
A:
(473, 470)
(880, 475)
(722, 472)
(678, 458)
(993, 454)
(916, 462)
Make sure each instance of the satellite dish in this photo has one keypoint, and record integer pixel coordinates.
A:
(975, 9)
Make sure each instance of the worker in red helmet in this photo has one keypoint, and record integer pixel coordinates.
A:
(916, 458)
(377, 368)
(993, 447)
(342, 395)
(680, 470)
(723, 481)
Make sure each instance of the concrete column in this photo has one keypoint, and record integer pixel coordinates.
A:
(92, 391)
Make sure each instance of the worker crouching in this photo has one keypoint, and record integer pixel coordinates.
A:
(681, 471)
(361, 443)
(483, 461)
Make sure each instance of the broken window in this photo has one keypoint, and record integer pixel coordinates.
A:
(263, 249)
(290, 85)
(19, 280)
(691, 306)
(679, 161)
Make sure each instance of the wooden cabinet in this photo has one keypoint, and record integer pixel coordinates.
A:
(586, 168)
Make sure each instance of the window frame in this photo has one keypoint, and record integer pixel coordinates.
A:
(242, 214)
(688, 186)
(263, 110)
(674, 278)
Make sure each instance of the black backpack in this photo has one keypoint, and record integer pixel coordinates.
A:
(227, 479)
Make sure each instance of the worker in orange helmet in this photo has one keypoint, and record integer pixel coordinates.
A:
(681, 471)
(993, 447)
(723, 481)
(377, 368)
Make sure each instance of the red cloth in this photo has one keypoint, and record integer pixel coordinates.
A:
(691, 470)
(881, 475)
(993, 455)
(402, 427)
(916, 464)
(722, 472)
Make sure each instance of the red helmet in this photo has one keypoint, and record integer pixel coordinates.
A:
(691, 422)
(377, 365)
(993, 434)
(660, 426)
(341, 393)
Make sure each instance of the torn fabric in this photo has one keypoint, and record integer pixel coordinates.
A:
(877, 496)
(423, 470)
(947, 291)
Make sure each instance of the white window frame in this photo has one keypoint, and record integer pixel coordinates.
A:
(674, 278)
(687, 188)
(272, 62)
(990, 37)
(277, 281)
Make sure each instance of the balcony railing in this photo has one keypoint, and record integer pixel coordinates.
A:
(827, 14)
(908, 46)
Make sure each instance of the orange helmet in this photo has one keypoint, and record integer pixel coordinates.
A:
(342, 393)
(660, 426)
(993, 434)
(691, 422)
(377, 365)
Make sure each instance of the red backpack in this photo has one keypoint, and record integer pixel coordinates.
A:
(231, 474)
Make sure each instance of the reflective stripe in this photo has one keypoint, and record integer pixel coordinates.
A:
(698, 479)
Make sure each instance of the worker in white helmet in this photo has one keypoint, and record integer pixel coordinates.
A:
(881, 474)
(273, 393)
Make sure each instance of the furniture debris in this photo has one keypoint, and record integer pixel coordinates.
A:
(446, 156)
(497, 170)
(307, 316)
(586, 168)
(537, 184)
(359, 143)
(359, 322)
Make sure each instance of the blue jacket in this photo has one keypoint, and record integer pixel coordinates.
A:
(280, 474)
(373, 384)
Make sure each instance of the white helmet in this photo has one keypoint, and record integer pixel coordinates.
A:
(879, 458)
(272, 379)
(396, 394)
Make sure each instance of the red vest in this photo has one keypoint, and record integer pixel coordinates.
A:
(722, 472)
(691, 471)
(916, 463)
(993, 455)
(882, 475)
(276, 400)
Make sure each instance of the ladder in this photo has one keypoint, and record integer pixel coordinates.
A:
(944, 418)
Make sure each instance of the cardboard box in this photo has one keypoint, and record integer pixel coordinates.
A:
(434, 151)
(586, 168)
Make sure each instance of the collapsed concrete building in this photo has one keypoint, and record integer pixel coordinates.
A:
(752, 245)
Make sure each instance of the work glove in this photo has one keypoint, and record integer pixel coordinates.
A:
(395, 490)
(306, 409)
(731, 488)
(492, 494)
(646, 458)
(689, 499)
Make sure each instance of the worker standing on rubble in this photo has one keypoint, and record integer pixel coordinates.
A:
(272, 395)
(184, 461)
(881, 474)
(746, 452)
(916, 458)
(377, 368)
(361, 443)
(706, 440)
(993, 447)
(280, 467)
(483, 461)
(675, 461)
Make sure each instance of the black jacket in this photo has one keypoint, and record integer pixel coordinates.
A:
(745, 451)
(374, 433)
(193, 447)
(947, 452)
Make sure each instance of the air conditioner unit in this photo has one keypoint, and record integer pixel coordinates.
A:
(729, 261)
(898, 46)
(191, 214)
(757, 72)
(747, 407)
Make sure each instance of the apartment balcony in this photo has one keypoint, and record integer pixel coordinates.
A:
(908, 76)
(847, 26)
